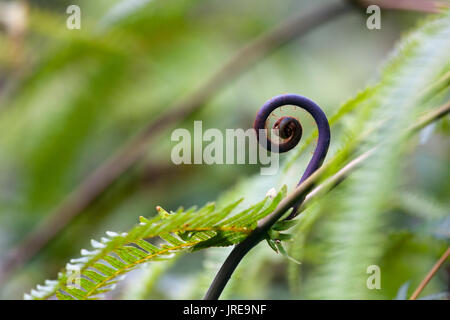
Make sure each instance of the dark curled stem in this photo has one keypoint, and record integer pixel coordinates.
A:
(290, 132)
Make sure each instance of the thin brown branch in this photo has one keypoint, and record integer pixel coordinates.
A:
(430, 274)
(96, 183)
(431, 116)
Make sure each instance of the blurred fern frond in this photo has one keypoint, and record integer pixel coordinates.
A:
(355, 233)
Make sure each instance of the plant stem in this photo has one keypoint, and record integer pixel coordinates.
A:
(430, 274)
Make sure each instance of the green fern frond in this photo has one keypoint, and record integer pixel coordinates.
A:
(245, 221)
(97, 271)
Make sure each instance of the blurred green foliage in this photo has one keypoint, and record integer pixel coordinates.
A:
(69, 99)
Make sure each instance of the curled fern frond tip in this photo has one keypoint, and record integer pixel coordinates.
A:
(290, 131)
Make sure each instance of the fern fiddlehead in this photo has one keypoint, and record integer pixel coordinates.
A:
(290, 131)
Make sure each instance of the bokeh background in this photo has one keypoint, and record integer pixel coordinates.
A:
(70, 99)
